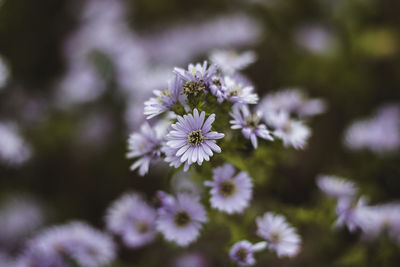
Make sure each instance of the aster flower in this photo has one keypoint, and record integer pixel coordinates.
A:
(242, 252)
(180, 219)
(192, 138)
(230, 61)
(238, 91)
(132, 219)
(291, 132)
(197, 78)
(280, 236)
(230, 193)
(350, 212)
(292, 101)
(250, 124)
(80, 242)
(164, 99)
(336, 187)
(145, 144)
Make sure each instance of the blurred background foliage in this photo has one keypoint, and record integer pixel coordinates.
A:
(77, 179)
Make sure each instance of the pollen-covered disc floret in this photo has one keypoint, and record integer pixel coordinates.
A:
(197, 78)
(180, 219)
(280, 236)
(132, 219)
(250, 124)
(192, 138)
(230, 193)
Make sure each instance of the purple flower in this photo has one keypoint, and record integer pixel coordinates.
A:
(231, 61)
(291, 132)
(280, 236)
(250, 124)
(132, 219)
(180, 219)
(164, 99)
(242, 252)
(379, 134)
(192, 139)
(292, 101)
(374, 220)
(230, 193)
(336, 187)
(350, 212)
(217, 88)
(197, 78)
(238, 91)
(146, 145)
(80, 242)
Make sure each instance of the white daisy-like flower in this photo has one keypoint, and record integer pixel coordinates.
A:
(238, 91)
(336, 187)
(280, 236)
(230, 61)
(230, 193)
(292, 132)
(180, 219)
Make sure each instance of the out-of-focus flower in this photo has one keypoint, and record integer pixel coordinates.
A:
(4, 71)
(132, 219)
(181, 184)
(280, 236)
(146, 145)
(180, 219)
(164, 99)
(250, 124)
(292, 132)
(181, 43)
(349, 212)
(336, 187)
(13, 148)
(230, 61)
(192, 137)
(292, 101)
(19, 217)
(193, 259)
(81, 84)
(315, 38)
(380, 133)
(230, 193)
(78, 241)
(242, 252)
(239, 91)
(374, 220)
(197, 78)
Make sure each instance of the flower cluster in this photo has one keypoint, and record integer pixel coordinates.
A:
(201, 109)
(356, 214)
